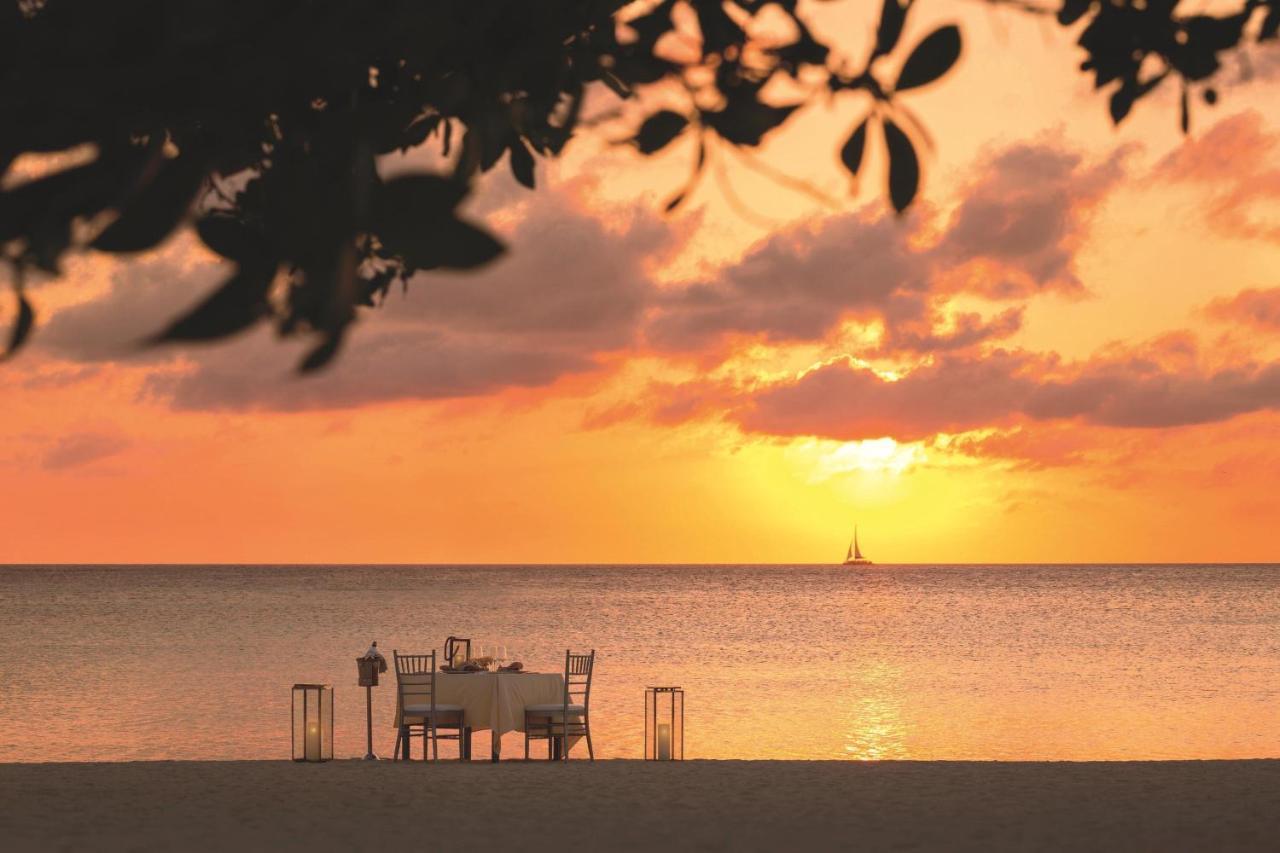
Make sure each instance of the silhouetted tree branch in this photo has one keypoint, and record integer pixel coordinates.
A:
(261, 122)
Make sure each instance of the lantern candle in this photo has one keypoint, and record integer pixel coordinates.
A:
(312, 728)
(313, 741)
(663, 724)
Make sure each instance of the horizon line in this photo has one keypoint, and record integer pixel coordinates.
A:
(603, 564)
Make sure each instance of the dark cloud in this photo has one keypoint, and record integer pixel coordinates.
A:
(78, 449)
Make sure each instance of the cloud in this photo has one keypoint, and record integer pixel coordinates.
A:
(796, 285)
(938, 334)
(574, 290)
(381, 363)
(1253, 307)
(1112, 396)
(1236, 160)
(1014, 234)
(1023, 218)
(569, 292)
(79, 449)
(847, 401)
(1030, 446)
(144, 295)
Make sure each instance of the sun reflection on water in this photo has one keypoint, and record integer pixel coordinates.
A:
(873, 726)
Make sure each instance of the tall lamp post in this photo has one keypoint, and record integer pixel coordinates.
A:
(370, 664)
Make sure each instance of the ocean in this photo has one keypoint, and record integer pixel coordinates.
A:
(1078, 662)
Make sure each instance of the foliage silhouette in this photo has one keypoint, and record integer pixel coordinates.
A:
(261, 123)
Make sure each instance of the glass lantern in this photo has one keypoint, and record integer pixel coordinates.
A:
(313, 722)
(663, 724)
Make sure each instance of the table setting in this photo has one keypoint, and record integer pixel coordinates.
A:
(492, 687)
(497, 659)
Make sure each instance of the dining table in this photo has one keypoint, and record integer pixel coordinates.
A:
(493, 700)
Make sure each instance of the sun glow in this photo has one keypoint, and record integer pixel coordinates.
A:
(824, 460)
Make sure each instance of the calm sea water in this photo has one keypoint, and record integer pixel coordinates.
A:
(923, 662)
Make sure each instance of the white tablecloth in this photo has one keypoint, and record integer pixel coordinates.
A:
(492, 700)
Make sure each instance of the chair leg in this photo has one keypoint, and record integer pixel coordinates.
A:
(435, 745)
(586, 724)
(395, 753)
(526, 738)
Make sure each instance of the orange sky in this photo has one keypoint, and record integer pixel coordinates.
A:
(1068, 351)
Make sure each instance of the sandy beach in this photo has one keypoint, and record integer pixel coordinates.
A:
(632, 805)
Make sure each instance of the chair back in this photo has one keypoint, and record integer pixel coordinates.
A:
(577, 677)
(415, 680)
(457, 650)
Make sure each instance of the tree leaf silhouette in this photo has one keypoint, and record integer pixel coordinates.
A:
(719, 31)
(745, 120)
(1072, 11)
(1123, 98)
(522, 163)
(156, 210)
(22, 326)
(932, 58)
(659, 130)
(1270, 24)
(229, 237)
(322, 354)
(414, 218)
(51, 202)
(892, 16)
(306, 125)
(462, 246)
(851, 153)
(1121, 102)
(236, 305)
(904, 167)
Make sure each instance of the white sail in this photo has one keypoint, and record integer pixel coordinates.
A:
(857, 554)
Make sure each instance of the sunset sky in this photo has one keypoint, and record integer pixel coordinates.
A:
(1068, 350)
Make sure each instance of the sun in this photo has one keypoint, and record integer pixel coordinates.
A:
(823, 460)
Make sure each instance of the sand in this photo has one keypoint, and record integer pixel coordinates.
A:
(631, 805)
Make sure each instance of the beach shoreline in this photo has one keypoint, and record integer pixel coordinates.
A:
(635, 805)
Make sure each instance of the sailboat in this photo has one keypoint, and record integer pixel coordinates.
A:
(854, 556)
